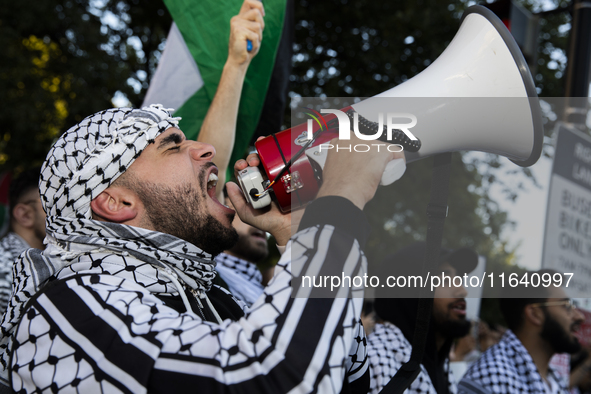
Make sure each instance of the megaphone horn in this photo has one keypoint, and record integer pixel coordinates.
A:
(482, 61)
(477, 96)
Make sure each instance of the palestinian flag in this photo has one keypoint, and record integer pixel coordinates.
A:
(191, 66)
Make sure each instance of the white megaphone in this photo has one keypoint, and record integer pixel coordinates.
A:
(477, 96)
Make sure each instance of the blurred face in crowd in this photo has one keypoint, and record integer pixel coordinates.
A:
(32, 201)
(252, 242)
(561, 321)
(449, 308)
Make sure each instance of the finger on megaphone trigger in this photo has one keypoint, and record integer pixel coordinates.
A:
(236, 196)
(253, 160)
(268, 219)
(240, 165)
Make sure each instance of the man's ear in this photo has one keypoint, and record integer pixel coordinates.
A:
(24, 215)
(533, 315)
(115, 204)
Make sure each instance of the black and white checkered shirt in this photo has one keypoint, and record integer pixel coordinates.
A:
(242, 277)
(11, 246)
(507, 367)
(105, 329)
(388, 349)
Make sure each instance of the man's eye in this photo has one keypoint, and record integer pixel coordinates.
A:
(174, 148)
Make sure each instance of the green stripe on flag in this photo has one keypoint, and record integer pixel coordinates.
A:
(205, 26)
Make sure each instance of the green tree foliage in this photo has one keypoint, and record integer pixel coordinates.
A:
(361, 48)
(64, 60)
(552, 46)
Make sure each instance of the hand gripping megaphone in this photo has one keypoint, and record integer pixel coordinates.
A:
(482, 62)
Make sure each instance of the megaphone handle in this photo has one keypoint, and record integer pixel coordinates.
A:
(393, 172)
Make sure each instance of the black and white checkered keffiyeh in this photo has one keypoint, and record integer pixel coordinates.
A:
(91, 155)
(82, 163)
(388, 350)
(11, 246)
(83, 245)
(242, 277)
(506, 367)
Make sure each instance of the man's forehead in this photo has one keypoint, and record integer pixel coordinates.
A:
(556, 292)
(169, 136)
(163, 141)
(30, 194)
(169, 131)
(447, 267)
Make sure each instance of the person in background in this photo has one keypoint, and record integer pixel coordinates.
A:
(469, 348)
(580, 372)
(237, 266)
(489, 335)
(26, 227)
(542, 322)
(464, 349)
(389, 345)
(368, 316)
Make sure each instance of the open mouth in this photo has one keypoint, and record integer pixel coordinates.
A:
(459, 307)
(212, 181)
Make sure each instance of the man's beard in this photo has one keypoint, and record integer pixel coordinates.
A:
(450, 328)
(181, 212)
(561, 340)
(246, 250)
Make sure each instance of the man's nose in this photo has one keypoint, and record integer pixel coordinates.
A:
(578, 316)
(460, 291)
(201, 151)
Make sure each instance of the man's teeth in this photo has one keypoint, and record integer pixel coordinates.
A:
(212, 181)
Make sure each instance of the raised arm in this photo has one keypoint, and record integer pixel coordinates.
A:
(219, 125)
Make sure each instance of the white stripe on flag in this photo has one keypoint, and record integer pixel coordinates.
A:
(177, 77)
